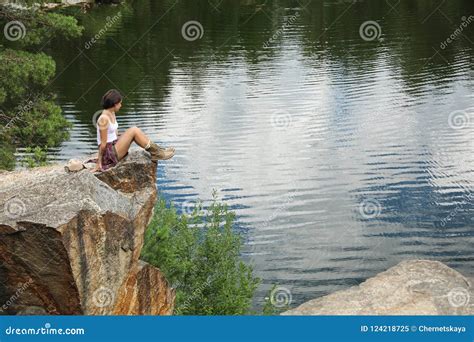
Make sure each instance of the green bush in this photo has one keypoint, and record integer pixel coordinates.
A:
(35, 157)
(29, 116)
(41, 125)
(7, 157)
(200, 255)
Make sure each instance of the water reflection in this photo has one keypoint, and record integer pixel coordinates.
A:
(298, 128)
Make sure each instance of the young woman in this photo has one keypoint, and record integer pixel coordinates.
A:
(113, 146)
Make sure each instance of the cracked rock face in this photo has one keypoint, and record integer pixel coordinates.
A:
(413, 287)
(70, 242)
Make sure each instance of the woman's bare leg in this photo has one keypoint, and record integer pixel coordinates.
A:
(133, 134)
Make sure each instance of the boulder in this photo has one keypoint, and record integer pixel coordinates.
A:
(413, 287)
(70, 242)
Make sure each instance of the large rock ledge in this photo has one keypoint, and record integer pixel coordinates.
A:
(70, 242)
(413, 287)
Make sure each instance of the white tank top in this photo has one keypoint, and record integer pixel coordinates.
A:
(111, 132)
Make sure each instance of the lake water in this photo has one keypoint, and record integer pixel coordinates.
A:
(342, 151)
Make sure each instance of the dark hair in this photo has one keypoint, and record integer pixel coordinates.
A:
(110, 99)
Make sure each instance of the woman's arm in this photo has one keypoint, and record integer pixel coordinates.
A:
(103, 125)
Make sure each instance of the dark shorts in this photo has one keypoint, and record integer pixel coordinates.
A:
(110, 157)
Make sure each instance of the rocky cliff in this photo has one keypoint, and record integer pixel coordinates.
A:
(413, 287)
(70, 242)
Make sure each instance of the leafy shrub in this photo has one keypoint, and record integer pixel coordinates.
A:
(200, 255)
(35, 157)
(7, 158)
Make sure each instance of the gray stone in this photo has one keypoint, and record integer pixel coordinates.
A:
(413, 287)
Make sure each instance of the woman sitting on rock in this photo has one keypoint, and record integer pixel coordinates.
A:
(114, 146)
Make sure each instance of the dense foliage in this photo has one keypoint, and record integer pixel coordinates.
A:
(28, 115)
(200, 255)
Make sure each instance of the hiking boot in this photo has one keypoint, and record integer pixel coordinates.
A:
(159, 153)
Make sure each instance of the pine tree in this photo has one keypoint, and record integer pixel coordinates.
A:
(28, 115)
